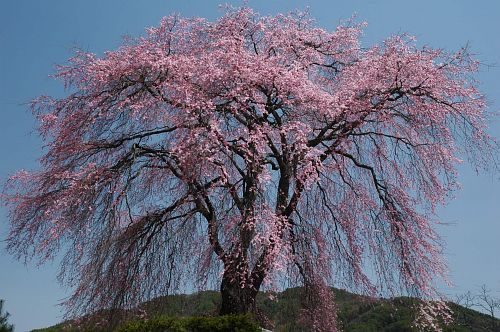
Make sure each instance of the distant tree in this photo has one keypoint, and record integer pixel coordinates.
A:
(467, 300)
(4, 324)
(488, 303)
(249, 150)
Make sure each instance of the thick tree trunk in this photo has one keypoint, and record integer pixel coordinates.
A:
(241, 300)
(236, 299)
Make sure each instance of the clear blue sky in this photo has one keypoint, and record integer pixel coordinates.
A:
(35, 35)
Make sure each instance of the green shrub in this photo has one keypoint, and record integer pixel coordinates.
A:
(242, 323)
(166, 324)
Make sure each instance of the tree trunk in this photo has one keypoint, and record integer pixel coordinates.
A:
(236, 299)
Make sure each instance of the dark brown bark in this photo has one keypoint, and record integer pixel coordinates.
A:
(241, 300)
(236, 299)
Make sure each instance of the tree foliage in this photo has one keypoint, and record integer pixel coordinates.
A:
(4, 316)
(253, 150)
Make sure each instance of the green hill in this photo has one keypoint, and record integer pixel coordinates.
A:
(355, 312)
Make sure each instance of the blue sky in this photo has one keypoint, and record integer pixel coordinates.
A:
(36, 35)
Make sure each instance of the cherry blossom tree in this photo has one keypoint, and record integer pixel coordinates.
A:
(253, 151)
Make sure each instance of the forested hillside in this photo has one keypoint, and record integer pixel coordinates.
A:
(355, 312)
